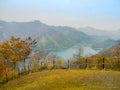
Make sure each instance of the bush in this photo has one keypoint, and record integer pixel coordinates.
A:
(94, 68)
(48, 67)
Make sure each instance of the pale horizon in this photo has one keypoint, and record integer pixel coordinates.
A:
(100, 14)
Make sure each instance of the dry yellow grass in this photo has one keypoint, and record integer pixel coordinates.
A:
(66, 80)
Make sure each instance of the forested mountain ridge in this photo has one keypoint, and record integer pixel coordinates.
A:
(47, 37)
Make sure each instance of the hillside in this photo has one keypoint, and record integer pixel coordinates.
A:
(113, 34)
(48, 37)
(113, 51)
(1, 36)
(66, 80)
(104, 45)
(51, 38)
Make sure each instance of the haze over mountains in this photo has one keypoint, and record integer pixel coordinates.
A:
(57, 37)
(106, 44)
(113, 34)
(48, 37)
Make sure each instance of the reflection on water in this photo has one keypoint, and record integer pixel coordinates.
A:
(66, 54)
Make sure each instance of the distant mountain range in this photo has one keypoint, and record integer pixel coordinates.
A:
(108, 38)
(54, 37)
(1, 36)
(47, 37)
(104, 45)
(101, 33)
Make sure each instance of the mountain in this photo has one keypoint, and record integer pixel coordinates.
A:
(1, 36)
(48, 37)
(113, 34)
(104, 45)
(114, 51)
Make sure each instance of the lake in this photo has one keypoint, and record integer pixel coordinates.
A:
(67, 54)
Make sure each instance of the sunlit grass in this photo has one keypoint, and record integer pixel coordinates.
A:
(66, 80)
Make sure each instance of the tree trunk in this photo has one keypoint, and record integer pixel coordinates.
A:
(14, 65)
(18, 72)
(28, 68)
(24, 65)
(6, 77)
(68, 64)
(41, 66)
(54, 64)
(103, 66)
(86, 63)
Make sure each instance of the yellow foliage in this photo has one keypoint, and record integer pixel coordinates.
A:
(3, 69)
(14, 49)
(59, 62)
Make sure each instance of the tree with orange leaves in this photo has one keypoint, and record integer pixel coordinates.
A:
(116, 51)
(2, 68)
(14, 50)
(4, 71)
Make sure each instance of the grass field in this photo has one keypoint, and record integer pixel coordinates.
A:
(66, 80)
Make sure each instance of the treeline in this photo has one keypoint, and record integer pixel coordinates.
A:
(109, 60)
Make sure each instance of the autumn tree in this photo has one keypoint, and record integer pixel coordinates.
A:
(79, 54)
(4, 51)
(116, 55)
(60, 63)
(2, 68)
(14, 50)
(4, 71)
(116, 52)
(31, 43)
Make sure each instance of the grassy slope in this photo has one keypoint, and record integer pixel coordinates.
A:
(66, 80)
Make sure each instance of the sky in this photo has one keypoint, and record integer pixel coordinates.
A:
(101, 14)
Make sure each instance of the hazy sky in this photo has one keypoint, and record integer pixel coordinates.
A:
(102, 14)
